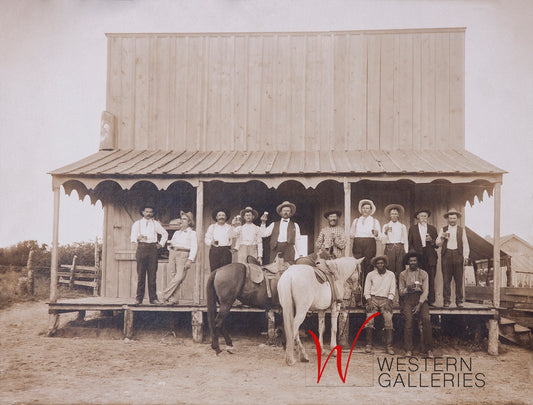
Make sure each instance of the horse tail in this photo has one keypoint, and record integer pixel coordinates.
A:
(211, 301)
(287, 304)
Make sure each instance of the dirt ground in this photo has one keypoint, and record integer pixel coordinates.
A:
(93, 364)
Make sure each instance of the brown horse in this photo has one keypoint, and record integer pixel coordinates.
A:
(225, 285)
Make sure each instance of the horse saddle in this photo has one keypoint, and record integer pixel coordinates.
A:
(312, 260)
(254, 273)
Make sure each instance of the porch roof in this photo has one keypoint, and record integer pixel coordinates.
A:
(419, 166)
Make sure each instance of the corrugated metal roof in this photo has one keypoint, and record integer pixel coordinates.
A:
(257, 163)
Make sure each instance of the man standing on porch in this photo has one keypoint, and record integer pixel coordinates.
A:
(182, 254)
(248, 237)
(332, 238)
(218, 237)
(454, 254)
(284, 233)
(394, 236)
(365, 232)
(422, 239)
(144, 232)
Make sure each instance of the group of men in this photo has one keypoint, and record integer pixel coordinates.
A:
(384, 276)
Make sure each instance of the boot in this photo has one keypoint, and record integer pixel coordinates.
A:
(369, 337)
(388, 341)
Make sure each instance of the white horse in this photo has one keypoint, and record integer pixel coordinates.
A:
(299, 291)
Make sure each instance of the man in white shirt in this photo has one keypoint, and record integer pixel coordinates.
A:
(249, 241)
(364, 233)
(144, 232)
(218, 237)
(454, 254)
(284, 233)
(394, 236)
(380, 288)
(182, 253)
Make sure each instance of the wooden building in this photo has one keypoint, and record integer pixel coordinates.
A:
(323, 119)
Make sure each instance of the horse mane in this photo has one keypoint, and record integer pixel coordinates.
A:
(345, 266)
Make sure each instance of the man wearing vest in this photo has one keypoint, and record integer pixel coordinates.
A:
(454, 255)
(283, 233)
(422, 239)
(365, 232)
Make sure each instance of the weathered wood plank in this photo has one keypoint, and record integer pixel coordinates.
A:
(386, 113)
(404, 93)
(142, 95)
(298, 92)
(374, 92)
(442, 91)
(457, 89)
(427, 113)
(266, 116)
(254, 87)
(356, 104)
(127, 99)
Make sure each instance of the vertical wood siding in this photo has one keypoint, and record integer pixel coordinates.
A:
(288, 91)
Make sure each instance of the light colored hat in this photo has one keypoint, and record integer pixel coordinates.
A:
(363, 202)
(398, 207)
(286, 204)
(375, 259)
(249, 209)
(452, 211)
(190, 217)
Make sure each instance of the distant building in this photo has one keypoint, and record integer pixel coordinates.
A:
(521, 252)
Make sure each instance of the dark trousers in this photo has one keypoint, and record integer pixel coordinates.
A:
(408, 303)
(146, 256)
(395, 253)
(286, 249)
(364, 247)
(452, 267)
(431, 269)
(219, 256)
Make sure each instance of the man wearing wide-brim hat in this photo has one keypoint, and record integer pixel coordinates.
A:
(283, 233)
(380, 288)
(248, 237)
(394, 237)
(423, 240)
(414, 288)
(332, 238)
(365, 232)
(454, 255)
(218, 238)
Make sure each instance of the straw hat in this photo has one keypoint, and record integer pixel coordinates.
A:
(397, 207)
(190, 218)
(452, 211)
(365, 201)
(249, 209)
(286, 204)
(375, 259)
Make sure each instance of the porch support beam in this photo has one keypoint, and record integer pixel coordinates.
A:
(200, 267)
(55, 236)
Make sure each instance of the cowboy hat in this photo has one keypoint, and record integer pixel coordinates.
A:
(375, 259)
(224, 210)
(330, 212)
(286, 204)
(365, 201)
(412, 253)
(452, 211)
(189, 216)
(422, 210)
(397, 207)
(249, 209)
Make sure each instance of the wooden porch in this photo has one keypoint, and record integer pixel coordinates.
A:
(128, 308)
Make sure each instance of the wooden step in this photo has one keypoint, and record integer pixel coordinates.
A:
(507, 326)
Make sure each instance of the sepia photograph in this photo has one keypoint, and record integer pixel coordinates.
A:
(296, 202)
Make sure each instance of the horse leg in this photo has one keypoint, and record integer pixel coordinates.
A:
(220, 327)
(298, 320)
(227, 338)
(321, 328)
(334, 322)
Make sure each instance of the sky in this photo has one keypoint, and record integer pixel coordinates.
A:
(53, 84)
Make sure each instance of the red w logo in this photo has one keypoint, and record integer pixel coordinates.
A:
(339, 353)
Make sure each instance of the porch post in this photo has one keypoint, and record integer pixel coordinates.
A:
(496, 245)
(199, 273)
(55, 233)
(347, 210)
(196, 315)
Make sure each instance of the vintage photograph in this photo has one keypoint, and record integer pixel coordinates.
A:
(295, 202)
